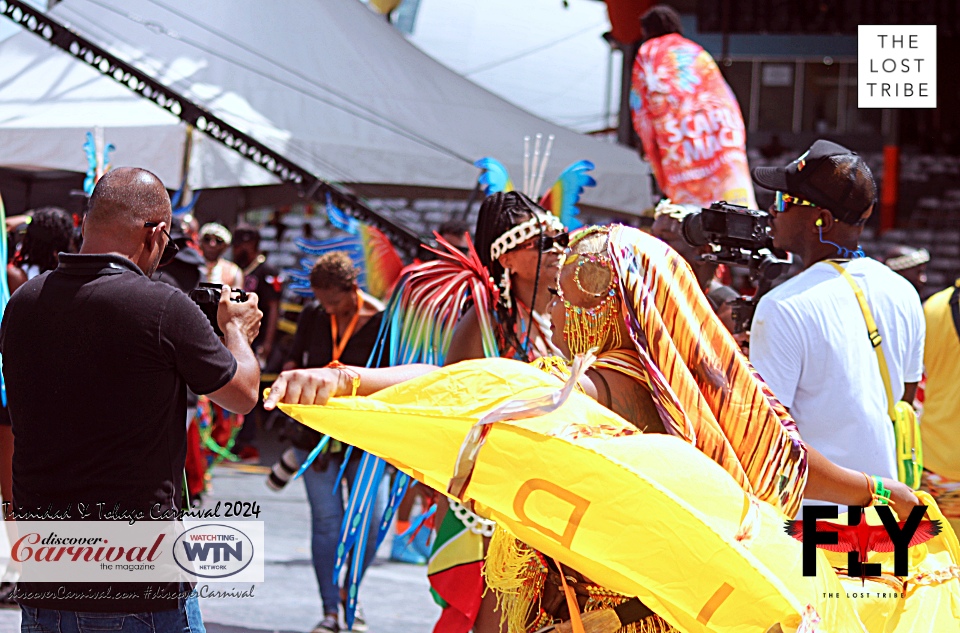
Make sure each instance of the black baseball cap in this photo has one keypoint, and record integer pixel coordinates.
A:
(828, 175)
(246, 233)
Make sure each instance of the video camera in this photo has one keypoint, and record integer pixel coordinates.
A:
(740, 236)
(207, 296)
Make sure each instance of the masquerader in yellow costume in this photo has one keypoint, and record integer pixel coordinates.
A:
(686, 378)
(668, 365)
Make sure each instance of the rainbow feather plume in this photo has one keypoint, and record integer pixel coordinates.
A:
(494, 177)
(369, 249)
(428, 302)
(383, 264)
(561, 199)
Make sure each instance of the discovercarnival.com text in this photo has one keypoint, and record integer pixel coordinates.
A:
(150, 593)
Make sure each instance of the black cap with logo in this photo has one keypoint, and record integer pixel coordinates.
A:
(828, 175)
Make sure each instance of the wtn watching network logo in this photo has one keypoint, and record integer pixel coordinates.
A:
(213, 551)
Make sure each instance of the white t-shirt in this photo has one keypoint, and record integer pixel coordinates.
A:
(809, 342)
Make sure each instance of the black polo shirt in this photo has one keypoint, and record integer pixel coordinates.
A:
(96, 360)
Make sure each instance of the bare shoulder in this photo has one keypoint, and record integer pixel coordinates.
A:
(15, 277)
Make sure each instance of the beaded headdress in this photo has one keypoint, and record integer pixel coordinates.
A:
(519, 234)
(903, 262)
(594, 275)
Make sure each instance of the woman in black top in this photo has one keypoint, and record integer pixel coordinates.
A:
(341, 327)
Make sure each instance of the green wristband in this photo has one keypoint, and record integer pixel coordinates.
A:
(881, 494)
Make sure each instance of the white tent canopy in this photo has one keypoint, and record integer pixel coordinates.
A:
(327, 83)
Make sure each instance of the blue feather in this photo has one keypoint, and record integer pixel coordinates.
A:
(179, 211)
(340, 219)
(322, 444)
(494, 177)
(574, 179)
(90, 149)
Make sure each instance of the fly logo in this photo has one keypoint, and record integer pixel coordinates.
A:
(858, 538)
(213, 551)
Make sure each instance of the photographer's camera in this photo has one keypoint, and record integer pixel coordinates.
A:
(207, 296)
(741, 237)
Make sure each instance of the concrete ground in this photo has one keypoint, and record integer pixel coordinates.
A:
(394, 596)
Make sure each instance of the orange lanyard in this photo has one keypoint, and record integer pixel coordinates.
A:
(334, 333)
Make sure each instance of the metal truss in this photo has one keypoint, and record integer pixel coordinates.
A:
(137, 81)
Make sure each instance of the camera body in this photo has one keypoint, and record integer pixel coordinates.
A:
(207, 296)
(737, 232)
(741, 237)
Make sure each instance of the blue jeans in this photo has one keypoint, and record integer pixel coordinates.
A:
(326, 512)
(186, 619)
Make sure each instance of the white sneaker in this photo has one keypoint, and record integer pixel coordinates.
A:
(359, 622)
(328, 624)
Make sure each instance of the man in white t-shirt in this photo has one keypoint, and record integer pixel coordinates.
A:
(809, 339)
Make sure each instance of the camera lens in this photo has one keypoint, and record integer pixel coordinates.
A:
(692, 230)
(283, 470)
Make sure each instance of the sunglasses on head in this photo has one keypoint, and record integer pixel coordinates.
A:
(782, 200)
(170, 250)
(545, 243)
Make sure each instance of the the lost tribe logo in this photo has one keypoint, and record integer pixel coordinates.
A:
(858, 539)
(213, 551)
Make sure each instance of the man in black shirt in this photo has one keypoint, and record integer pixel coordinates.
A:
(97, 360)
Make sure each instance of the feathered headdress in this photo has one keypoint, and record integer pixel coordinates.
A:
(371, 251)
(560, 199)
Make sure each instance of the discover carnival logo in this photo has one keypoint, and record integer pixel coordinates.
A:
(145, 551)
(213, 551)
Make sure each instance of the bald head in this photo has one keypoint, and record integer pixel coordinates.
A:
(125, 198)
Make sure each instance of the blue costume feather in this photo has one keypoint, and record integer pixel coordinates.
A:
(494, 177)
